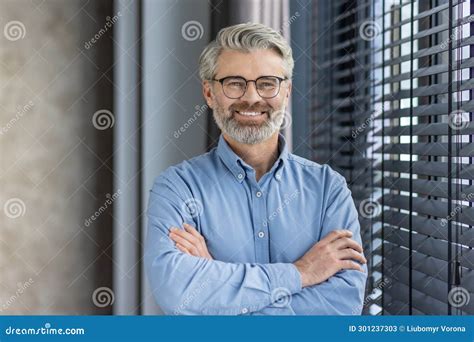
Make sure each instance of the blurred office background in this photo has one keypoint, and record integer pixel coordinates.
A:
(99, 96)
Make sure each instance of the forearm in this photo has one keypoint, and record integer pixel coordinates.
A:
(342, 294)
(184, 284)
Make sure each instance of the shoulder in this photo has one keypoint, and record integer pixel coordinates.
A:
(182, 174)
(312, 170)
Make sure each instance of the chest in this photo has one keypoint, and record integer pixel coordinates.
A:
(250, 224)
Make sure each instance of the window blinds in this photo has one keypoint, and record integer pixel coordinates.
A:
(392, 112)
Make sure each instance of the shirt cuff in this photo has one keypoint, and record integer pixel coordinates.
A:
(285, 276)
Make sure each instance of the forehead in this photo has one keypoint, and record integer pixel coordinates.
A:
(249, 65)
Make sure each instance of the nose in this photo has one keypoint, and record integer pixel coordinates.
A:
(251, 94)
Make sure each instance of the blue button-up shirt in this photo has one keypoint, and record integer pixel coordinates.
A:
(254, 231)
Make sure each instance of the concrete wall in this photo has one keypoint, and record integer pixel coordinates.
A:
(55, 165)
(56, 145)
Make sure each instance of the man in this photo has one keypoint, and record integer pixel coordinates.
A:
(250, 228)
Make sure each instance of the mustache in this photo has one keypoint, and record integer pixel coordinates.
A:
(253, 108)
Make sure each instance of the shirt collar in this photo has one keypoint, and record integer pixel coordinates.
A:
(238, 166)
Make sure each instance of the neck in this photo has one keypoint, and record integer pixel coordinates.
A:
(260, 157)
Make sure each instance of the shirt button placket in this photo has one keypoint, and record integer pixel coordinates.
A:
(260, 213)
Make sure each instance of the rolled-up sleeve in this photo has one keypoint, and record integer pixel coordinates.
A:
(184, 285)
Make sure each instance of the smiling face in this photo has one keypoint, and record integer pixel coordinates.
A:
(249, 119)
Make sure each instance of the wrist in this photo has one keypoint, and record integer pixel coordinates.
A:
(300, 266)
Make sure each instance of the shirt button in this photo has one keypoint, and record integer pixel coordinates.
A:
(259, 194)
(240, 176)
(245, 310)
(261, 234)
(278, 176)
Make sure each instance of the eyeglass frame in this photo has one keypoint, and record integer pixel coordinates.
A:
(221, 81)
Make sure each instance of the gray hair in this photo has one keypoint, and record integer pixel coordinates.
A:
(244, 37)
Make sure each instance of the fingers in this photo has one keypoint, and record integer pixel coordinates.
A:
(337, 234)
(182, 241)
(191, 230)
(183, 234)
(350, 265)
(183, 249)
(349, 253)
(345, 242)
(189, 241)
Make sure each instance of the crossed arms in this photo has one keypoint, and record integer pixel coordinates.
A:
(328, 279)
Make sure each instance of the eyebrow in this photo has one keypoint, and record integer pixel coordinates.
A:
(246, 78)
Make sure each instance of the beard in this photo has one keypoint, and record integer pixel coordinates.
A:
(248, 133)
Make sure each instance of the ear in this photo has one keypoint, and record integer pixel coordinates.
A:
(289, 88)
(207, 93)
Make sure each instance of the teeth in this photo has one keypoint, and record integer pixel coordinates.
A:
(250, 113)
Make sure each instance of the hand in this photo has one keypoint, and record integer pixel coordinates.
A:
(335, 252)
(190, 241)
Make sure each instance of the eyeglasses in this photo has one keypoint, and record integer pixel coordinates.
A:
(234, 87)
